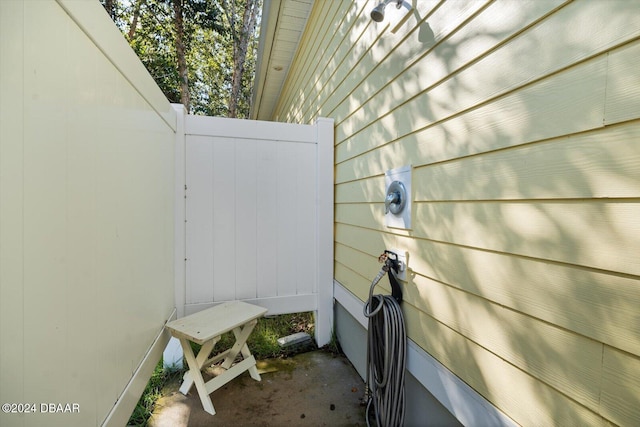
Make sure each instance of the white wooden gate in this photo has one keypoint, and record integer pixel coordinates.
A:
(258, 217)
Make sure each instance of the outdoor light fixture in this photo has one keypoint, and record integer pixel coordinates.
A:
(377, 14)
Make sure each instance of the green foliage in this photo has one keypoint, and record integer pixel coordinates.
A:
(154, 43)
(333, 346)
(263, 341)
(208, 45)
(152, 392)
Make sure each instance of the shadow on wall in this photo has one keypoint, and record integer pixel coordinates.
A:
(425, 35)
(523, 248)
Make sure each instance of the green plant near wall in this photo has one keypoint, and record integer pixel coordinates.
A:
(263, 342)
(152, 392)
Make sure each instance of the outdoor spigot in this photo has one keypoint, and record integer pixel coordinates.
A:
(394, 266)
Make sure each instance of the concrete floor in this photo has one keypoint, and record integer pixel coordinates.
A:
(311, 389)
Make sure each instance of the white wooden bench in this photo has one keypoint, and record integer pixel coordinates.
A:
(205, 328)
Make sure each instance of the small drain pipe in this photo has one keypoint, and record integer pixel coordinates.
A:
(386, 349)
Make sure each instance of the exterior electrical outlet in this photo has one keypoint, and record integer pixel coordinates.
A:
(398, 198)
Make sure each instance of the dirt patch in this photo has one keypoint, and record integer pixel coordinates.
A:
(310, 389)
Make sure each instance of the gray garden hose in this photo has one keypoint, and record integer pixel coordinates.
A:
(386, 356)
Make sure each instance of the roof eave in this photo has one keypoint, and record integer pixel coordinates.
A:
(283, 23)
(268, 26)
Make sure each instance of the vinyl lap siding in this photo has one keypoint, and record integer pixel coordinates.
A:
(521, 121)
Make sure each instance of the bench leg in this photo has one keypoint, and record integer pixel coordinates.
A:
(195, 375)
(242, 334)
(203, 354)
(253, 371)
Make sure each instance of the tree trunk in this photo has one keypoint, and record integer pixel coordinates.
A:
(180, 52)
(110, 7)
(241, 43)
(134, 20)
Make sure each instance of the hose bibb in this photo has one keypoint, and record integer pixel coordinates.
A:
(392, 265)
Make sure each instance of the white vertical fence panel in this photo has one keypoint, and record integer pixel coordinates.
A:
(179, 214)
(285, 193)
(253, 214)
(267, 214)
(305, 218)
(224, 220)
(86, 214)
(199, 232)
(246, 211)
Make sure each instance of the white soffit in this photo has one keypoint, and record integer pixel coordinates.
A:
(283, 22)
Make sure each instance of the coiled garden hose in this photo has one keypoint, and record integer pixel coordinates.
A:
(386, 354)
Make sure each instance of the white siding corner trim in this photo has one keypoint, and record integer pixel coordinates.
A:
(469, 407)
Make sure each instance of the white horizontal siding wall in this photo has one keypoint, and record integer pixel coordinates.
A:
(521, 120)
(86, 215)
